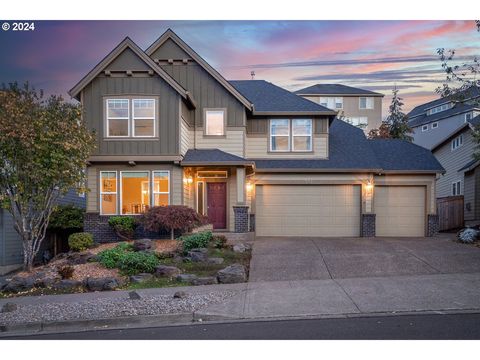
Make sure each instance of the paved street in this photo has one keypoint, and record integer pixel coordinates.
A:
(425, 327)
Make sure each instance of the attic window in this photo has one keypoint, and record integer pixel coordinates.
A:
(438, 109)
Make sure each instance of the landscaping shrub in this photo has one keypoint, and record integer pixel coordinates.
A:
(110, 257)
(66, 217)
(132, 263)
(66, 272)
(124, 226)
(219, 241)
(198, 240)
(172, 217)
(468, 235)
(80, 241)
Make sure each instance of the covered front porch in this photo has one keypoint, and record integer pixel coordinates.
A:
(217, 185)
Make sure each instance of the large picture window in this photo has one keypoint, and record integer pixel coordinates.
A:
(135, 192)
(291, 135)
(108, 192)
(161, 188)
(130, 118)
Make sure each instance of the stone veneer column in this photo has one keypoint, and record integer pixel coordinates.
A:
(368, 225)
(241, 218)
(433, 225)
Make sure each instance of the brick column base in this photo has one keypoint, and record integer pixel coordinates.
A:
(433, 225)
(368, 225)
(241, 218)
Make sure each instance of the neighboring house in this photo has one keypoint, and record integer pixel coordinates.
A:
(433, 121)
(11, 250)
(462, 174)
(253, 157)
(358, 107)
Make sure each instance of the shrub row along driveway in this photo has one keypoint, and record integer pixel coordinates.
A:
(278, 259)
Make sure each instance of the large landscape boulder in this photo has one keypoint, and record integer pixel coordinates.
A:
(208, 280)
(215, 260)
(102, 284)
(241, 248)
(142, 245)
(188, 278)
(167, 271)
(139, 278)
(79, 258)
(232, 274)
(3, 283)
(20, 283)
(67, 284)
(198, 255)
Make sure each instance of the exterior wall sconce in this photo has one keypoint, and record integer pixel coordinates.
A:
(188, 180)
(249, 186)
(369, 186)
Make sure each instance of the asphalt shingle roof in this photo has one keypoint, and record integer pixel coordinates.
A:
(267, 97)
(349, 149)
(212, 156)
(455, 110)
(468, 165)
(335, 89)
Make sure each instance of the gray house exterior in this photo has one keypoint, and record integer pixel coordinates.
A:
(462, 173)
(433, 121)
(11, 252)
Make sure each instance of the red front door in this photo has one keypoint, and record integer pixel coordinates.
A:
(217, 204)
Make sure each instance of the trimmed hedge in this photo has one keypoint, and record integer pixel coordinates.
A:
(80, 241)
(198, 240)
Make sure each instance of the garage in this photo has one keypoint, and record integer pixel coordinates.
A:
(308, 210)
(400, 210)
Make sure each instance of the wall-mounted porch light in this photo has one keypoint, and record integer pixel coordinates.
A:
(369, 186)
(249, 186)
(188, 180)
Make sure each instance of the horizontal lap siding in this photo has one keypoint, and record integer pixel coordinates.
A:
(232, 143)
(12, 243)
(185, 135)
(167, 112)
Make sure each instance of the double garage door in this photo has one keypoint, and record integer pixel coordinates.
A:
(335, 210)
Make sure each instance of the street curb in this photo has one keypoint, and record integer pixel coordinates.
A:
(96, 324)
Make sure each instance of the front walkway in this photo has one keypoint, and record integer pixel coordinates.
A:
(285, 259)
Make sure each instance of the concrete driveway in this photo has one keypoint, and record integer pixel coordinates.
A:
(285, 259)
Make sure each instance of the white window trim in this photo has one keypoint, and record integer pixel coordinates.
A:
(109, 192)
(196, 196)
(207, 110)
(460, 142)
(144, 118)
(424, 128)
(119, 211)
(288, 136)
(335, 102)
(471, 116)
(117, 118)
(302, 135)
(223, 174)
(366, 103)
(436, 125)
(458, 188)
(153, 192)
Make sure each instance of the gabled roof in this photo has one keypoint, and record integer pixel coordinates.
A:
(269, 99)
(128, 43)
(469, 124)
(350, 150)
(469, 166)
(212, 157)
(335, 89)
(457, 109)
(170, 34)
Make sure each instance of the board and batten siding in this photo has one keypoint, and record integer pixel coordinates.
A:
(257, 147)
(452, 161)
(167, 107)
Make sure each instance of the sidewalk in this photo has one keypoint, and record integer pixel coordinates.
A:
(289, 299)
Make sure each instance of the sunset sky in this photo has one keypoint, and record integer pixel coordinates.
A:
(373, 55)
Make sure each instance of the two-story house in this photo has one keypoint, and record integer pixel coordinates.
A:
(434, 121)
(253, 157)
(462, 174)
(359, 107)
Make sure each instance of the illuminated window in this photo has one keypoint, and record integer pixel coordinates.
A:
(135, 194)
(161, 188)
(212, 174)
(108, 192)
(214, 122)
(201, 197)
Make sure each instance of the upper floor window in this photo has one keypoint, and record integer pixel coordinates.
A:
(468, 116)
(425, 128)
(365, 103)
(457, 188)
(360, 121)
(434, 125)
(332, 102)
(215, 122)
(457, 142)
(291, 135)
(438, 109)
(130, 117)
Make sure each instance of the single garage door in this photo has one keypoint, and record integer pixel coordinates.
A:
(400, 210)
(307, 210)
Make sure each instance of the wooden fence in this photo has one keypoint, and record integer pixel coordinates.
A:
(450, 212)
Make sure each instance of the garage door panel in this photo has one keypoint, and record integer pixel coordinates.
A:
(307, 210)
(400, 210)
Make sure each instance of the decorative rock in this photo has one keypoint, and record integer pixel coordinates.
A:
(167, 271)
(198, 255)
(101, 284)
(215, 260)
(133, 295)
(19, 283)
(79, 258)
(9, 307)
(180, 295)
(139, 278)
(142, 245)
(186, 277)
(232, 274)
(240, 248)
(67, 284)
(3, 283)
(210, 280)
